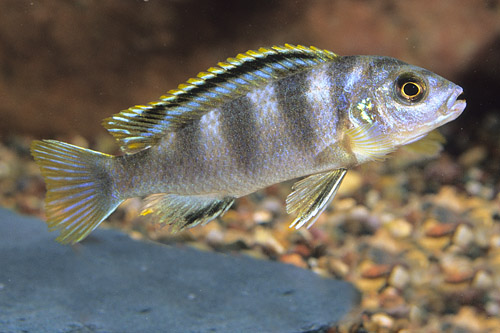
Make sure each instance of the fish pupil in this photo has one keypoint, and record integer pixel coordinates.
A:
(410, 89)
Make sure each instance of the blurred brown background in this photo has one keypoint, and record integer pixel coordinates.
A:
(67, 64)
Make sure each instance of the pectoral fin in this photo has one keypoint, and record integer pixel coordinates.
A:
(183, 211)
(312, 195)
(429, 146)
(368, 143)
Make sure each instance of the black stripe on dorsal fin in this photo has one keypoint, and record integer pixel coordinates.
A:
(142, 126)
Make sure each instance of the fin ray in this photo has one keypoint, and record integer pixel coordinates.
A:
(77, 199)
(311, 195)
(185, 211)
(368, 143)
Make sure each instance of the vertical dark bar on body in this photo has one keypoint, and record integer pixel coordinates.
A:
(240, 131)
(295, 109)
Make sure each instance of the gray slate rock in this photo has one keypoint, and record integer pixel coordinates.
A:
(112, 283)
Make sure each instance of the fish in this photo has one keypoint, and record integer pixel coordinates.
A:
(261, 118)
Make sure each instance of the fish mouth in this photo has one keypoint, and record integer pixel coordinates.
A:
(455, 104)
(452, 108)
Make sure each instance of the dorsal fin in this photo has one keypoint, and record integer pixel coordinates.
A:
(142, 126)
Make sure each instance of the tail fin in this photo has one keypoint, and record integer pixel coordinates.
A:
(79, 188)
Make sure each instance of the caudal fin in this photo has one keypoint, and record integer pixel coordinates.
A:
(79, 192)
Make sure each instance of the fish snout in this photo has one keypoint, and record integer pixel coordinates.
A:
(455, 104)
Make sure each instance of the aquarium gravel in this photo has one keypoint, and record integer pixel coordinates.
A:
(420, 238)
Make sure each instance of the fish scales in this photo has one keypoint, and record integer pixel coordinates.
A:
(258, 119)
(248, 144)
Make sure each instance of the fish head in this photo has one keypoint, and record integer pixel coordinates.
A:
(404, 101)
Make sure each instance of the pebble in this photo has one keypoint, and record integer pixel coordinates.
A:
(482, 216)
(293, 259)
(352, 182)
(482, 280)
(436, 236)
(372, 276)
(390, 298)
(495, 242)
(4, 170)
(344, 204)
(417, 259)
(475, 188)
(265, 237)
(468, 319)
(303, 250)
(382, 240)
(262, 216)
(383, 320)
(492, 308)
(482, 237)
(444, 170)
(463, 235)
(416, 315)
(399, 228)
(337, 267)
(436, 229)
(473, 156)
(458, 277)
(447, 197)
(372, 198)
(359, 213)
(373, 271)
(215, 236)
(321, 272)
(399, 277)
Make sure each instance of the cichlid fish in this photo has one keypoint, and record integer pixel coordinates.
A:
(255, 120)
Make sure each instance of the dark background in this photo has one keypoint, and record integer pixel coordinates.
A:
(67, 64)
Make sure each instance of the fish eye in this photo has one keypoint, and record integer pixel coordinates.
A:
(410, 88)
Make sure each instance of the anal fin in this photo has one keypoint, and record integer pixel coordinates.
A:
(312, 195)
(182, 211)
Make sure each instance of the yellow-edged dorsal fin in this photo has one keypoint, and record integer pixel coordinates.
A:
(141, 126)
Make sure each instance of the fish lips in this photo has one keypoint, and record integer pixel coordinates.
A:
(452, 108)
(455, 104)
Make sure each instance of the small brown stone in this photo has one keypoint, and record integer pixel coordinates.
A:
(390, 298)
(458, 277)
(293, 259)
(376, 271)
(440, 230)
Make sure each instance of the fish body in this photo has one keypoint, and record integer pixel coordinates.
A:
(258, 119)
